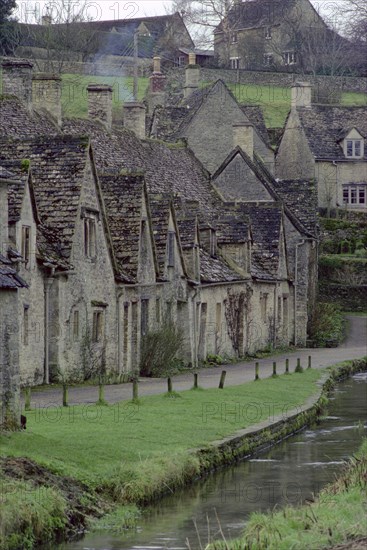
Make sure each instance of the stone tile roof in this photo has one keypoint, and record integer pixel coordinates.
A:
(19, 176)
(233, 228)
(160, 205)
(215, 270)
(17, 121)
(301, 198)
(325, 126)
(9, 278)
(57, 167)
(123, 196)
(266, 230)
(167, 169)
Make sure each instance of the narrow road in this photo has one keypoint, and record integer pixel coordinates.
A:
(354, 347)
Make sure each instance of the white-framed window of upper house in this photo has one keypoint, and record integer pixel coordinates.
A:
(235, 62)
(354, 145)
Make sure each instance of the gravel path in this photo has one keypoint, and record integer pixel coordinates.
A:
(354, 347)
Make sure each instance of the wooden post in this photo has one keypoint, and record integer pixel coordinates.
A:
(27, 398)
(309, 362)
(169, 384)
(195, 380)
(222, 378)
(101, 399)
(274, 368)
(287, 366)
(257, 377)
(298, 367)
(65, 395)
(135, 389)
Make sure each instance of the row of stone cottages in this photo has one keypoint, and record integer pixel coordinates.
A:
(106, 232)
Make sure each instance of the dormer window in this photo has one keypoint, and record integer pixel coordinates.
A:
(354, 148)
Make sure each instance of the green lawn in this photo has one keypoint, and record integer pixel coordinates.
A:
(74, 95)
(276, 102)
(97, 444)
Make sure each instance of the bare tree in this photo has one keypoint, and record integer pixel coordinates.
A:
(64, 35)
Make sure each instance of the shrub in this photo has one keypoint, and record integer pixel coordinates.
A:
(159, 349)
(326, 325)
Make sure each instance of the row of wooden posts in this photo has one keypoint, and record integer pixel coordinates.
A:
(101, 400)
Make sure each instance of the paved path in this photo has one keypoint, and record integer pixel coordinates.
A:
(354, 347)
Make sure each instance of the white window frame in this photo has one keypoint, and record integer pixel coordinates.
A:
(267, 33)
(355, 194)
(290, 58)
(354, 143)
(268, 59)
(235, 62)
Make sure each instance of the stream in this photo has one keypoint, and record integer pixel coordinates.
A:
(288, 473)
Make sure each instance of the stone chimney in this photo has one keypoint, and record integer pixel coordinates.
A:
(134, 118)
(301, 95)
(192, 76)
(17, 79)
(157, 85)
(100, 103)
(243, 136)
(47, 93)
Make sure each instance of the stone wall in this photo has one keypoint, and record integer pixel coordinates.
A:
(278, 79)
(9, 358)
(350, 298)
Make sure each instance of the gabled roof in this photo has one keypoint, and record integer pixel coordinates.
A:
(216, 270)
(324, 125)
(9, 278)
(123, 197)
(266, 222)
(170, 123)
(160, 208)
(57, 166)
(278, 192)
(167, 169)
(300, 196)
(20, 176)
(233, 228)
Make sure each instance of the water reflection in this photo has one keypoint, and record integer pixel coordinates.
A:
(290, 473)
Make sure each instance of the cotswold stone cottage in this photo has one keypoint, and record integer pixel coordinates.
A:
(326, 144)
(111, 233)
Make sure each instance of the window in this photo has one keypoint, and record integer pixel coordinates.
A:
(268, 33)
(354, 148)
(144, 326)
(289, 58)
(234, 38)
(158, 311)
(171, 249)
(26, 244)
(235, 62)
(268, 59)
(181, 60)
(97, 329)
(263, 305)
(75, 326)
(90, 237)
(355, 194)
(26, 325)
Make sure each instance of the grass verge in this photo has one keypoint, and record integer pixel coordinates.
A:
(337, 515)
(132, 453)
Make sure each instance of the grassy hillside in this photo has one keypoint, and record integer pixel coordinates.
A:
(274, 101)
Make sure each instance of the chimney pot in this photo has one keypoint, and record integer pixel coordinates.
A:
(192, 58)
(47, 93)
(17, 79)
(301, 95)
(243, 136)
(100, 103)
(134, 118)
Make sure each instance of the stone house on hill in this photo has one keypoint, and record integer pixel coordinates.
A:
(281, 34)
(326, 144)
(128, 233)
